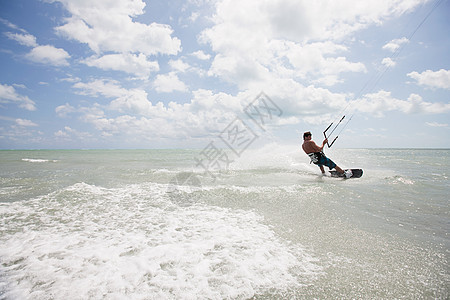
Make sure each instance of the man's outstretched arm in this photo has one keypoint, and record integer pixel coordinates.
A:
(323, 144)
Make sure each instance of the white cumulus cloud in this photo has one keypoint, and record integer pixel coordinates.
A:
(8, 94)
(432, 79)
(100, 87)
(167, 83)
(388, 62)
(394, 45)
(48, 54)
(25, 123)
(179, 65)
(44, 54)
(106, 25)
(290, 38)
(63, 110)
(69, 132)
(382, 101)
(25, 39)
(138, 64)
(201, 55)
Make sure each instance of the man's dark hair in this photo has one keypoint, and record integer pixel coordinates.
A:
(308, 133)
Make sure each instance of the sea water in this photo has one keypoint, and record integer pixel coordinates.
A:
(155, 224)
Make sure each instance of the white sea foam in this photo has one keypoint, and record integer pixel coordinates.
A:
(403, 180)
(90, 242)
(38, 160)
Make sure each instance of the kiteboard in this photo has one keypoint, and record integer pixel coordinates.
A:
(356, 173)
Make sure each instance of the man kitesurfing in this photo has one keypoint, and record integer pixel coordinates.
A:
(316, 153)
(318, 157)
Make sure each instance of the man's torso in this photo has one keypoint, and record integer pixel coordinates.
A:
(310, 147)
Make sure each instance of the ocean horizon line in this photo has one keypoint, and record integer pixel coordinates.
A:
(200, 148)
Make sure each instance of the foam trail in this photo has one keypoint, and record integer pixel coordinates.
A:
(90, 242)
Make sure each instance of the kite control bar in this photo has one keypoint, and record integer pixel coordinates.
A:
(325, 135)
(325, 132)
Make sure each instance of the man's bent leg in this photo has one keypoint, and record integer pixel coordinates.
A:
(330, 164)
(339, 170)
(322, 169)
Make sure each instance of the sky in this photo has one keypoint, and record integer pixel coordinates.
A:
(82, 74)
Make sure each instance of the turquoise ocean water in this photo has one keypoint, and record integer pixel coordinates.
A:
(152, 224)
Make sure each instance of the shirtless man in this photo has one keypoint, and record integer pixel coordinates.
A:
(317, 156)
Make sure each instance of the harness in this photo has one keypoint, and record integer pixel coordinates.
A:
(315, 156)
